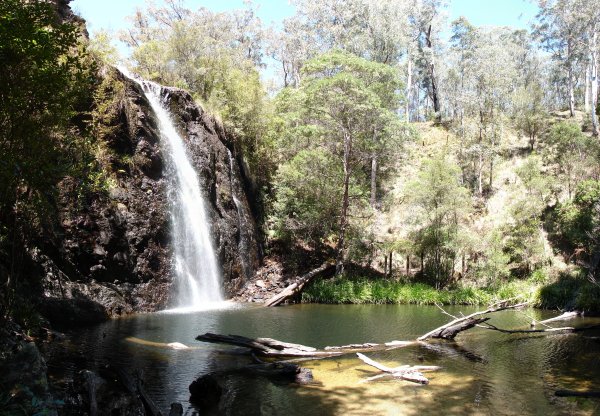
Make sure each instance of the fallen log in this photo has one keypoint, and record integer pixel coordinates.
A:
(266, 347)
(297, 286)
(445, 331)
(404, 372)
(564, 317)
(550, 329)
(450, 332)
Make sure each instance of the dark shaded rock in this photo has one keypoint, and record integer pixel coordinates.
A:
(205, 391)
(23, 374)
(66, 313)
(176, 409)
(101, 394)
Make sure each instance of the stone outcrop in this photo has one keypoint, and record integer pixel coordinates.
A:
(111, 251)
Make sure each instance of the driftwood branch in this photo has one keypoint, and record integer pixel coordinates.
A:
(266, 347)
(404, 372)
(564, 317)
(297, 286)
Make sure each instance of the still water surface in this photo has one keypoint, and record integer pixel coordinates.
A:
(484, 372)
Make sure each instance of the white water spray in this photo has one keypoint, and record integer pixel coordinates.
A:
(198, 278)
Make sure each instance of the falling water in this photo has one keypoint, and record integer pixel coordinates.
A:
(198, 279)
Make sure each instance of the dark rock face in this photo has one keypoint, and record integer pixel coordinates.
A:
(112, 249)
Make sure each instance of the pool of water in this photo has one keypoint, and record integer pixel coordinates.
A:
(484, 372)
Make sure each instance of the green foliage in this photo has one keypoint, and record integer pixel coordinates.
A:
(441, 208)
(571, 154)
(307, 197)
(577, 219)
(495, 264)
(525, 241)
(328, 130)
(101, 48)
(46, 78)
(360, 291)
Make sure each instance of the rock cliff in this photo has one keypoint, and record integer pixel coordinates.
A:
(111, 251)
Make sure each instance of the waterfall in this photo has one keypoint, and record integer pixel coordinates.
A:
(197, 274)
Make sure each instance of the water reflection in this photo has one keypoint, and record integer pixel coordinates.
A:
(484, 372)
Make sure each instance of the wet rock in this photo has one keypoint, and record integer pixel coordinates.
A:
(205, 391)
(304, 376)
(176, 409)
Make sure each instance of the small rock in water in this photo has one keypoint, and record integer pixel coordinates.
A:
(205, 391)
(304, 376)
(176, 409)
(260, 283)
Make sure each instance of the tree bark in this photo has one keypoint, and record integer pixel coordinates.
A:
(298, 285)
(434, 92)
(339, 267)
(408, 85)
(587, 88)
(373, 180)
(594, 79)
(570, 79)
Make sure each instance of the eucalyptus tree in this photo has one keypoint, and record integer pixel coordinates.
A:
(427, 20)
(340, 115)
(481, 84)
(440, 206)
(560, 30)
(215, 56)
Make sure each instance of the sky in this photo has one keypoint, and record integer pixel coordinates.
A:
(111, 15)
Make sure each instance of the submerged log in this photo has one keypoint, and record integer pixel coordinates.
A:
(574, 393)
(404, 372)
(564, 317)
(297, 286)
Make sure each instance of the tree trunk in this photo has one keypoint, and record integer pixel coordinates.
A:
(408, 86)
(339, 268)
(594, 79)
(373, 180)
(298, 285)
(390, 265)
(588, 81)
(408, 265)
(571, 80)
(434, 92)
